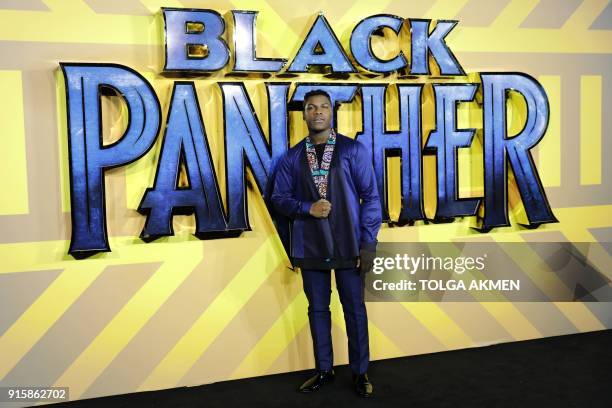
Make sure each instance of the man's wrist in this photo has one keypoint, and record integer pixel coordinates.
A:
(368, 246)
(305, 207)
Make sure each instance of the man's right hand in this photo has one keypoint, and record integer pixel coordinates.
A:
(320, 209)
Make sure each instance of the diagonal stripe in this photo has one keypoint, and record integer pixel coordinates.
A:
(507, 316)
(500, 37)
(519, 251)
(18, 291)
(293, 319)
(131, 7)
(68, 18)
(130, 319)
(445, 9)
(278, 33)
(514, 13)
(604, 21)
(600, 255)
(259, 315)
(146, 30)
(547, 318)
(381, 346)
(601, 312)
(511, 319)
(54, 352)
(223, 259)
(480, 13)
(43, 313)
(23, 5)
(439, 324)
(602, 235)
(584, 16)
(403, 328)
(276, 340)
(69, 7)
(594, 253)
(580, 316)
(358, 10)
(551, 14)
(155, 5)
(92, 28)
(216, 317)
(476, 321)
(296, 356)
(575, 221)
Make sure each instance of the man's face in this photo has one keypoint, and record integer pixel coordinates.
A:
(318, 113)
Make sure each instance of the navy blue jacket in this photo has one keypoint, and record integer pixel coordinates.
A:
(355, 217)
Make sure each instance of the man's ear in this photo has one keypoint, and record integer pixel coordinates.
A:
(303, 114)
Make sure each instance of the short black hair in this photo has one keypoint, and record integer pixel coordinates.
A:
(315, 92)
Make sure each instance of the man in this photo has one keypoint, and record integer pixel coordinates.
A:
(326, 186)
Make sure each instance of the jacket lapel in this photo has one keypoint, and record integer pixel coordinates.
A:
(312, 188)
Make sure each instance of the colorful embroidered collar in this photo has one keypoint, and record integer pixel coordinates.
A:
(320, 175)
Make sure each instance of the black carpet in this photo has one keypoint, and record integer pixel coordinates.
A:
(564, 371)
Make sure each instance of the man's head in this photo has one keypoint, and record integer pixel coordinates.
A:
(317, 111)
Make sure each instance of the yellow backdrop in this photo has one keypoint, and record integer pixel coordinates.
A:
(180, 311)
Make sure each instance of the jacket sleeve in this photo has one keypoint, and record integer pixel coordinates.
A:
(283, 195)
(370, 212)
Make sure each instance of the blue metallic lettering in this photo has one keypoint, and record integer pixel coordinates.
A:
(179, 38)
(405, 143)
(89, 158)
(245, 141)
(361, 44)
(499, 149)
(445, 141)
(422, 42)
(185, 141)
(245, 46)
(330, 53)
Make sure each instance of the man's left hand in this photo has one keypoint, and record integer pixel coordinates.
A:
(366, 260)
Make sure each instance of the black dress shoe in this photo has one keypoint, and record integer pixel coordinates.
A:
(363, 386)
(316, 381)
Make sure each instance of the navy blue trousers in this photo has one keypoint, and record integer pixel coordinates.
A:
(350, 285)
